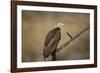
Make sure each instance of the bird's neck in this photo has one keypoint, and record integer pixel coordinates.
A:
(56, 27)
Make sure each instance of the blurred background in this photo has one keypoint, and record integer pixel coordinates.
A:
(36, 25)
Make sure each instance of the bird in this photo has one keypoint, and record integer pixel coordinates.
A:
(52, 40)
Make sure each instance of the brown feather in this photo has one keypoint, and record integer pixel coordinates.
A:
(52, 41)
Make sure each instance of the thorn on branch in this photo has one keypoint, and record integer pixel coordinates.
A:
(69, 35)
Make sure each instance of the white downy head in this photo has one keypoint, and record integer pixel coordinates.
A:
(60, 25)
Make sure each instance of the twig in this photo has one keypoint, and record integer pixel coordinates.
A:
(73, 38)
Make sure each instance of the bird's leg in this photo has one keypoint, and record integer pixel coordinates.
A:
(53, 56)
(69, 35)
(45, 59)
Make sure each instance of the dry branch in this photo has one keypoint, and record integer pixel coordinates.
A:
(73, 38)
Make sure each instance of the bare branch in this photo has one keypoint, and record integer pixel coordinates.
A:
(73, 38)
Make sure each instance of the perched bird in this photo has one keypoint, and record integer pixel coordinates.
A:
(51, 42)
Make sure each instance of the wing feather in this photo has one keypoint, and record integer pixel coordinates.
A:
(51, 42)
(49, 36)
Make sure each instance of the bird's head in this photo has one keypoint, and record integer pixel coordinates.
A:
(60, 25)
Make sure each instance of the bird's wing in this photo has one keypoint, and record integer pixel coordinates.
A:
(49, 37)
(53, 43)
(56, 38)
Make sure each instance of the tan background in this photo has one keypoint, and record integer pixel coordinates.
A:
(35, 26)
